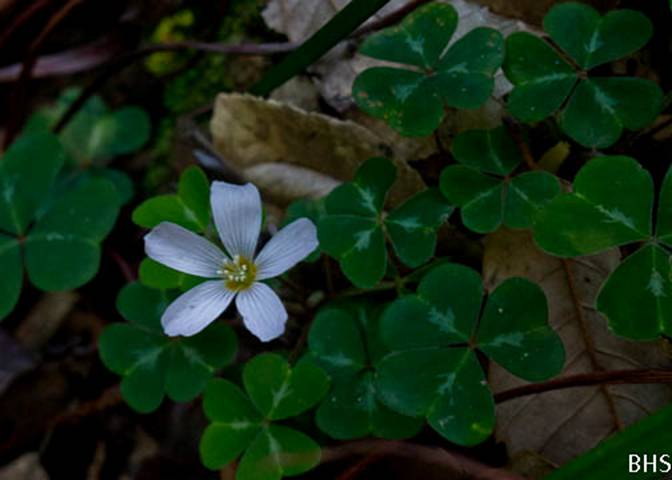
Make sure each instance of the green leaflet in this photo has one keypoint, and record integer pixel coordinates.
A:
(412, 100)
(599, 215)
(432, 370)
(651, 436)
(483, 185)
(354, 227)
(344, 341)
(598, 109)
(189, 207)
(153, 365)
(27, 171)
(240, 422)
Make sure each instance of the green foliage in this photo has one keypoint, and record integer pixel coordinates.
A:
(153, 365)
(55, 231)
(412, 100)
(95, 134)
(598, 108)
(432, 370)
(651, 436)
(244, 422)
(344, 341)
(355, 228)
(189, 207)
(484, 187)
(612, 205)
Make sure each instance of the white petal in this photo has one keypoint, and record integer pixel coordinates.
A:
(263, 312)
(183, 250)
(287, 248)
(237, 213)
(194, 310)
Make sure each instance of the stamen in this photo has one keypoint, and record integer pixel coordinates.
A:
(238, 273)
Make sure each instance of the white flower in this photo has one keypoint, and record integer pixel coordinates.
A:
(237, 215)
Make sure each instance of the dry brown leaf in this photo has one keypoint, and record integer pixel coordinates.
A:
(248, 132)
(564, 423)
(283, 183)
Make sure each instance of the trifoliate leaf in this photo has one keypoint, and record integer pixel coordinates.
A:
(343, 340)
(483, 185)
(63, 248)
(153, 365)
(598, 108)
(432, 370)
(279, 391)
(354, 227)
(242, 422)
(412, 100)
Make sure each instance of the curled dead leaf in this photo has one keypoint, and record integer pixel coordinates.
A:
(249, 131)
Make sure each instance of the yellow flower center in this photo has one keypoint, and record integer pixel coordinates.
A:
(239, 273)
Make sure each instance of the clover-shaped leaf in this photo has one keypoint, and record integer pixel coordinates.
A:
(344, 341)
(432, 370)
(153, 365)
(189, 207)
(241, 422)
(484, 187)
(611, 205)
(598, 108)
(355, 227)
(56, 236)
(412, 100)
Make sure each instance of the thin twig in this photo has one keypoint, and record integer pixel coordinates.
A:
(113, 66)
(514, 130)
(614, 377)
(462, 466)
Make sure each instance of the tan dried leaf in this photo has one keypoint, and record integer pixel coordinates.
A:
(248, 131)
(561, 424)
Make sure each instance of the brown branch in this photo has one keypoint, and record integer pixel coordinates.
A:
(16, 113)
(22, 19)
(462, 466)
(513, 127)
(602, 378)
(113, 66)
